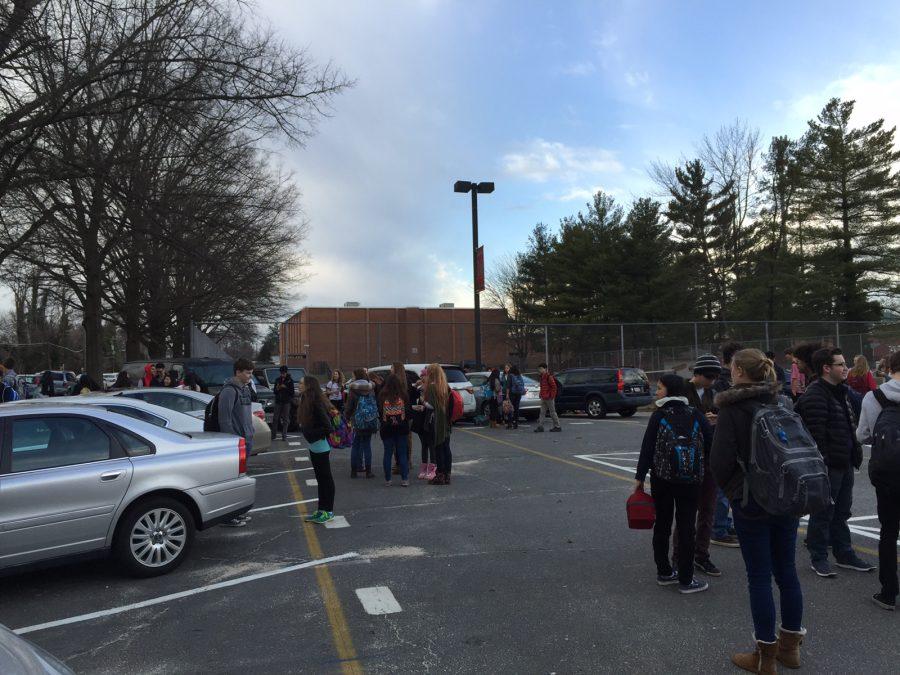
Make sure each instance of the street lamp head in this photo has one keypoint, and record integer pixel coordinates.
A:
(462, 186)
(485, 188)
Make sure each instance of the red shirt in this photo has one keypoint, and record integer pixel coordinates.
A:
(862, 384)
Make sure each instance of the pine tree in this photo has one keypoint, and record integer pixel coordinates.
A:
(853, 194)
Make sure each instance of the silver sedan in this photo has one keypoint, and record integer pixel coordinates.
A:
(78, 480)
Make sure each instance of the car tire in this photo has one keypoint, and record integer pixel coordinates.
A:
(628, 412)
(595, 407)
(145, 552)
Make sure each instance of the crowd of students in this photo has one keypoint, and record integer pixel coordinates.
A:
(708, 420)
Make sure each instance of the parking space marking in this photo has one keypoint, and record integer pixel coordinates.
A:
(378, 600)
(275, 473)
(593, 458)
(281, 506)
(295, 443)
(337, 523)
(183, 594)
(312, 482)
(301, 459)
(279, 452)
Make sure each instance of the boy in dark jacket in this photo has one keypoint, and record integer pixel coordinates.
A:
(827, 413)
(284, 399)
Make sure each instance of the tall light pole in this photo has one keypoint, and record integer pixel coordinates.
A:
(484, 188)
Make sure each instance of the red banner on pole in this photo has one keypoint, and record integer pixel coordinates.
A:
(479, 269)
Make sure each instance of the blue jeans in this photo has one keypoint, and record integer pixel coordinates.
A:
(361, 452)
(769, 544)
(398, 443)
(830, 526)
(721, 522)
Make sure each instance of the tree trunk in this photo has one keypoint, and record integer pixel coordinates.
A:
(92, 324)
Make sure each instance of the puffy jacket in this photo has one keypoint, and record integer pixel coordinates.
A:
(734, 428)
(357, 388)
(828, 415)
(548, 386)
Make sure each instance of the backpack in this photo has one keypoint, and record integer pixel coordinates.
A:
(885, 457)
(365, 417)
(678, 457)
(785, 472)
(456, 412)
(341, 435)
(211, 412)
(8, 394)
(517, 386)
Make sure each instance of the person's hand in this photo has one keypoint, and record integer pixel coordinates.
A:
(711, 417)
(638, 485)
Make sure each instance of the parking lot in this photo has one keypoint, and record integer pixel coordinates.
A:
(523, 564)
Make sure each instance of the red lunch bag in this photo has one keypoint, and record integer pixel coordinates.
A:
(641, 510)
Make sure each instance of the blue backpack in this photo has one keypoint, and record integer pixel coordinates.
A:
(678, 456)
(365, 417)
(8, 394)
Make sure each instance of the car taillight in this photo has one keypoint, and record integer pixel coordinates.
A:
(620, 382)
(260, 414)
(242, 456)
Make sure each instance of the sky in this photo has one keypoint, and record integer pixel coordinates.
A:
(550, 101)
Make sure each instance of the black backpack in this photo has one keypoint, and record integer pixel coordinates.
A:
(885, 438)
(211, 412)
(678, 457)
(785, 472)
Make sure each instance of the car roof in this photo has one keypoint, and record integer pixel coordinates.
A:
(168, 390)
(131, 423)
(101, 399)
(416, 367)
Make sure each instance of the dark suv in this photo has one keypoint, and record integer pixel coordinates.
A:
(600, 390)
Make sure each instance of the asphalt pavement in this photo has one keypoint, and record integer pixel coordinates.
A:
(524, 564)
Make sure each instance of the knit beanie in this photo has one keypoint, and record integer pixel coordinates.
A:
(708, 363)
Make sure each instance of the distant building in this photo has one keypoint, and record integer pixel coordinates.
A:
(323, 338)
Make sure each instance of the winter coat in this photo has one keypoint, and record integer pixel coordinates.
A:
(648, 445)
(734, 428)
(705, 403)
(827, 412)
(723, 381)
(148, 375)
(320, 427)
(357, 388)
(862, 384)
(284, 389)
(548, 386)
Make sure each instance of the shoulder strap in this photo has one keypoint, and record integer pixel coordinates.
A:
(884, 400)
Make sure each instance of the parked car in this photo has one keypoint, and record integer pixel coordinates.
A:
(109, 379)
(194, 403)
(18, 656)
(27, 386)
(529, 406)
(602, 390)
(130, 407)
(456, 378)
(77, 480)
(62, 381)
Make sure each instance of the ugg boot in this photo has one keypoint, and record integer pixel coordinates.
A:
(760, 661)
(437, 480)
(423, 470)
(789, 642)
(369, 473)
(431, 471)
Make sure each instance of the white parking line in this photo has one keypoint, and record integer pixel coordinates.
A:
(312, 482)
(295, 443)
(591, 458)
(337, 523)
(301, 459)
(281, 506)
(183, 594)
(275, 473)
(378, 600)
(278, 452)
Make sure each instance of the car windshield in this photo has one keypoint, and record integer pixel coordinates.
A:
(214, 375)
(296, 374)
(530, 382)
(634, 376)
(456, 376)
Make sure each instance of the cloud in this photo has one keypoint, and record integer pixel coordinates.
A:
(636, 79)
(579, 69)
(582, 194)
(542, 160)
(606, 40)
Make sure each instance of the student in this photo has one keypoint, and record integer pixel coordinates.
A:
(47, 387)
(494, 391)
(768, 543)
(438, 401)
(236, 415)
(674, 491)
(314, 414)
(361, 452)
(422, 424)
(887, 485)
(335, 389)
(516, 387)
(284, 389)
(159, 375)
(122, 381)
(860, 378)
(394, 413)
(827, 413)
(548, 399)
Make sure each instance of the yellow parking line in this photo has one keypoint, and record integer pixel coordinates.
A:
(340, 631)
(861, 549)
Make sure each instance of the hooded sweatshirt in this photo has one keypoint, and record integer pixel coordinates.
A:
(235, 411)
(871, 409)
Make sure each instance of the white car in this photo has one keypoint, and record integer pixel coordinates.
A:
(141, 410)
(194, 403)
(456, 378)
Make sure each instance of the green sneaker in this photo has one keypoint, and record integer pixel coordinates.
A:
(324, 516)
(313, 517)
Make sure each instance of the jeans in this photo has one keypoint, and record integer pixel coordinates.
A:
(829, 527)
(322, 469)
(548, 406)
(427, 453)
(678, 502)
(705, 510)
(282, 415)
(769, 545)
(721, 522)
(889, 517)
(443, 458)
(515, 399)
(361, 452)
(396, 443)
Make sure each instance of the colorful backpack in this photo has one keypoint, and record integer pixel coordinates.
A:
(678, 456)
(365, 417)
(342, 434)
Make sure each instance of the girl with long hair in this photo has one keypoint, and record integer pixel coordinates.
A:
(422, 421)
(361, 452)
(394, 413)
(860, 378)
(438, 401)
(314, 417)
(495, 394)
(516, 387)
(335, 389)
(768, 542)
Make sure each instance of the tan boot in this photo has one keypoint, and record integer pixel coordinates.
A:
(760, 661)
(789, 646)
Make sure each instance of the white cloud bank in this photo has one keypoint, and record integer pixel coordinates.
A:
(542, 160)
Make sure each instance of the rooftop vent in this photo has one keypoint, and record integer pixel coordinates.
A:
(446, 305)
(351, 304)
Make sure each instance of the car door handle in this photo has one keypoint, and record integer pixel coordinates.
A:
(110, 475)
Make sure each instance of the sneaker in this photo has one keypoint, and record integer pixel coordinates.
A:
(696, 586)
(246, 517)
(423, 471)
(404, 483)
(707, 568)
(854, 562)
(324, 517)
(883, 602)
(538, 430)
(235, 522)
(387, 483)
(667, 579)
(822, 568)
(556, 429)
(728, 541)
(311, 518)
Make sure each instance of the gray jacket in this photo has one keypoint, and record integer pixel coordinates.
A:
(235, 411)
(871, 409)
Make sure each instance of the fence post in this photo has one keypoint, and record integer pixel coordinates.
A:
(696, 343)
(547, 344)
(767, 336)
(622, 345)
(837, 333)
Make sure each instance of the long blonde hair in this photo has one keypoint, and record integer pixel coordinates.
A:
(860, 366)
(755, 364)
(437, 379)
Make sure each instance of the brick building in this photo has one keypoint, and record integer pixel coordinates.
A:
(323, 338)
